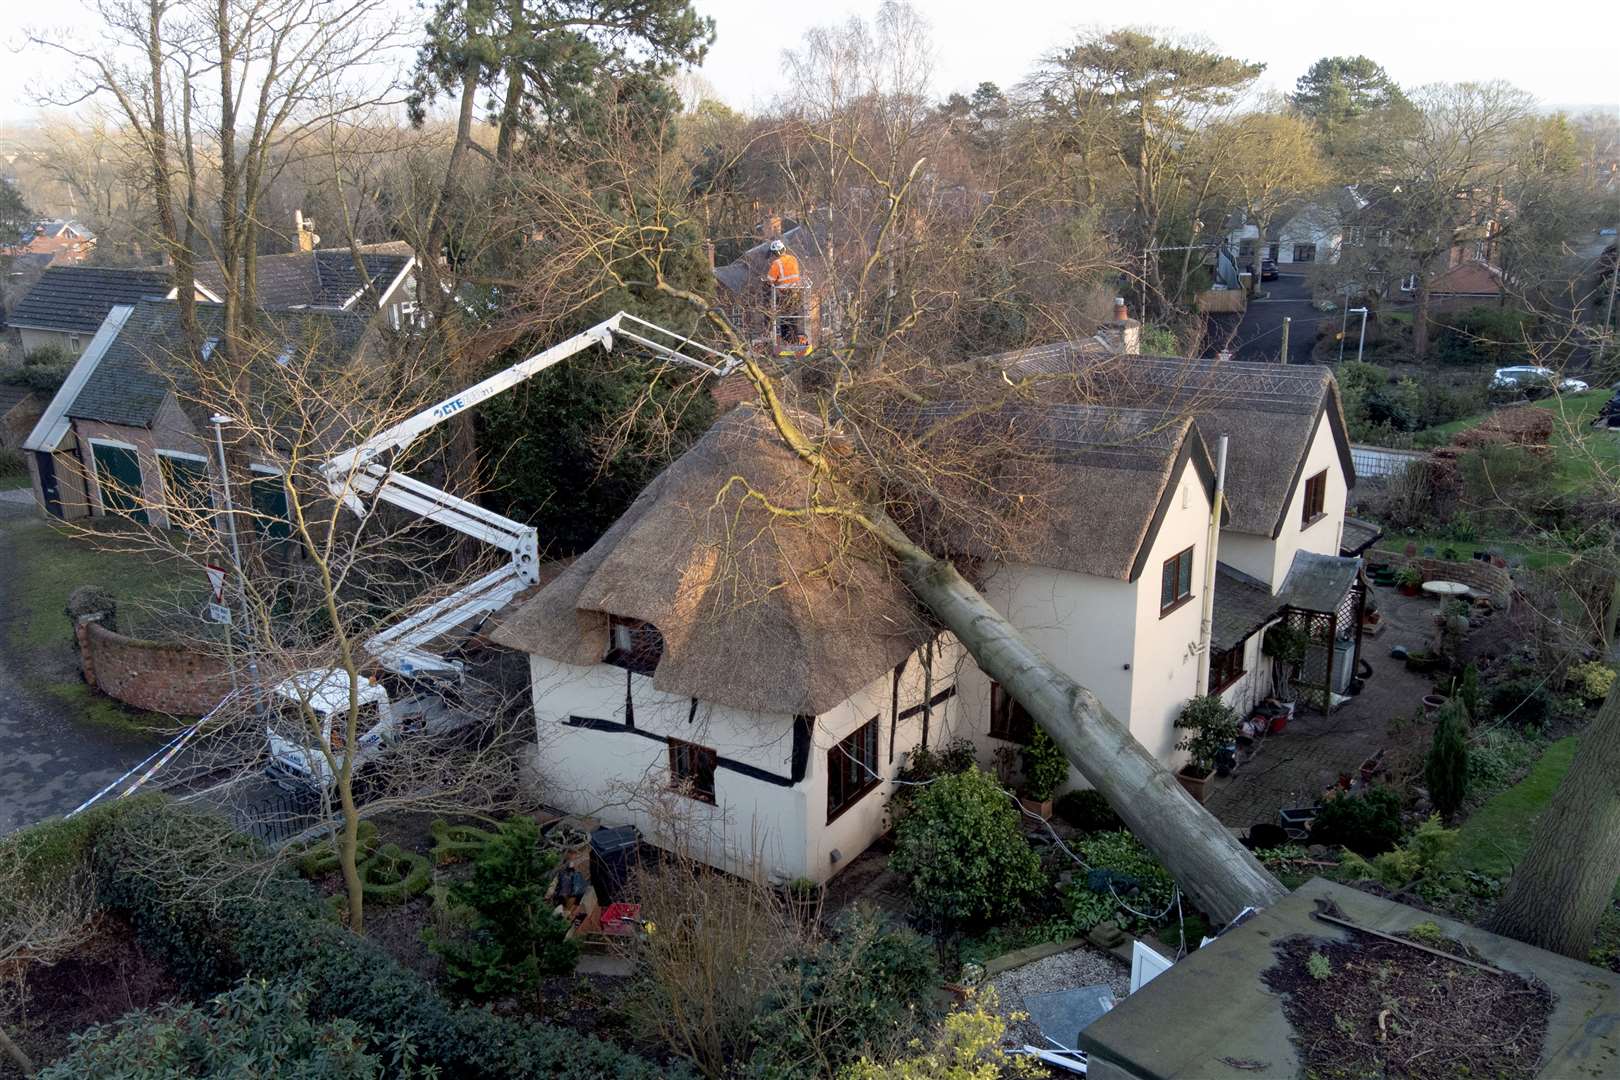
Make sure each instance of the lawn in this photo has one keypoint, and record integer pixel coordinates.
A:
(1581, 449)
(1533, 557)
(49, 564)
(1496, 837)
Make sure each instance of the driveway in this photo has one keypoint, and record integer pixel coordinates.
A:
(1259, 335)
(51, 757)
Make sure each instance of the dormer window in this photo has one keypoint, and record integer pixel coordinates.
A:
(634, 645)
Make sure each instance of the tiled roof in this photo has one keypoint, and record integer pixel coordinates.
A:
(140, 368)
(12, 396)
(1472, 278)
(1358, 536)
(1242, 605)
(1317, 582)
(75, 299)
(326, 278)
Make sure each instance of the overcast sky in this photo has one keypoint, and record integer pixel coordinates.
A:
(1563, 51)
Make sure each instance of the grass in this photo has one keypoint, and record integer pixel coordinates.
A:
(1496, 837)
(50, 564)
(1533, 557)
(1582, 452)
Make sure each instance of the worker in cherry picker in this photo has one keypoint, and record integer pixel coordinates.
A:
(783, 281)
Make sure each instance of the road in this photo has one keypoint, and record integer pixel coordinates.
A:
(1259, 335)
(51, 758)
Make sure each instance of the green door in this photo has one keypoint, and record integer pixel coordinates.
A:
(118, 473)
(185, 486)
(269, 498)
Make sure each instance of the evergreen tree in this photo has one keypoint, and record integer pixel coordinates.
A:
(1347, 98)
(1446, 770)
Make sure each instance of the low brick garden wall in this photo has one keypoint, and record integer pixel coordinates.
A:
(151, 675)
(1483, 577)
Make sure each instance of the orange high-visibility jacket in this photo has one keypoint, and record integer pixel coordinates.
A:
(784, 270)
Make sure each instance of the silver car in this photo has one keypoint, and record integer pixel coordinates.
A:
(1533, 381)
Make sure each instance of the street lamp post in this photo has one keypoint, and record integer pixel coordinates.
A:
(219, 420)
(1361, 341)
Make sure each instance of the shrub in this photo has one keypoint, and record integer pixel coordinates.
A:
(1468, 693)
(1122, 869)
(200, 899)
(12, 464)
(1524, 701)
(1045, 767)
(960, 845)
(1496, 757)
(321, 857)
(1425, 852)
(515, 938)
(967, 1046)
(257, 1029)
(1367, 823)
(1591, 680)
(1213, 723)
(956, 756)
(1445, 770)
(865, 991)
(1088, 811)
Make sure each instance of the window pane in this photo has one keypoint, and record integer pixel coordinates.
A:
(1167, 590)
(1186, 575)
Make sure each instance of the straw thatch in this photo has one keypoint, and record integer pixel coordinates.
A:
(758, 611)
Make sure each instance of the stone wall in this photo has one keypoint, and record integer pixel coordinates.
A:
(150, 675)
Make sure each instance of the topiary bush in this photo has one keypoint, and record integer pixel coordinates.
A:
(1088, 811)
(392, 876)
(1045, 767)
(960, 845)
(1367, 822)
(1591, 680)
(454, 843)
(321, 857)
(1445, 770)
(515, 939)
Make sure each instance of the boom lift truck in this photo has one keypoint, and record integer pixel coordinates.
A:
(363, 476)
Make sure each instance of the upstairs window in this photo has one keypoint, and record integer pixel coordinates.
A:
(634, 645)
(691, 769)
(1175, 587)
(1008, 720)
(1315, 507)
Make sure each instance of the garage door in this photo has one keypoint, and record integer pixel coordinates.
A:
(118, 474)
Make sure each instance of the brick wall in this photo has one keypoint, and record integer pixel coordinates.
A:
(148, 674)
(1483, 577)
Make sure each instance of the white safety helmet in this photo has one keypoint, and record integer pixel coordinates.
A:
(778, 246)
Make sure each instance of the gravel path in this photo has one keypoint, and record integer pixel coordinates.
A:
(1083, 965)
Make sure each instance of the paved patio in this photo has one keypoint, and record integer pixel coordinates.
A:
(1297, 766)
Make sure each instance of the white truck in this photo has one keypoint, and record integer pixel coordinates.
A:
(362, 477)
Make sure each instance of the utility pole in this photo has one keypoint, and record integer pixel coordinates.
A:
(219, 421)
(1286, 321)
(1361, 341)
(1344, 322)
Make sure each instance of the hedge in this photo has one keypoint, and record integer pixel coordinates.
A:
(149, 864)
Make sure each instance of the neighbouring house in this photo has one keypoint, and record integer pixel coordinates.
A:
(61, 242)
(120, 436)
(327, 279)
(20, 408)
(1310, 231)
(1464, 285)
(744, 684)
(67, 305)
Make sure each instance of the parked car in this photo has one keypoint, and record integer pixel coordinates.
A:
(1268, 269)
(1609, 414)
(1532, 381)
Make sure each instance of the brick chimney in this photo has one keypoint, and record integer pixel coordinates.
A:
(1123, 333)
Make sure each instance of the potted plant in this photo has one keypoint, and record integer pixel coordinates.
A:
(1045, 768)
(1212, 725)
(1409, 579)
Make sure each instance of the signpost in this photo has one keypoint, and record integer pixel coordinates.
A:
(219, 613)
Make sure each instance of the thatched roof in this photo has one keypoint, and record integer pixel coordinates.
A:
(1270, 411)
(1105, 481)
(758, 611)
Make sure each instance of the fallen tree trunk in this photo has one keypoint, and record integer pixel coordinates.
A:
(1207, 861)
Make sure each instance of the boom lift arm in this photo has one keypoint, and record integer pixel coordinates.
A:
(365, 472)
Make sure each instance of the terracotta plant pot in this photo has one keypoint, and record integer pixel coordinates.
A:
(1433, 703)
(1409, 590)
(1196, 785)
(1041, 808)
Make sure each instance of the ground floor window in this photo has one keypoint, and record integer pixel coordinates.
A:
(1304, 252)
(186, 488)
(118, 476)
(852, 768)
(691, 769)
(1225, 667)
(1008, 720)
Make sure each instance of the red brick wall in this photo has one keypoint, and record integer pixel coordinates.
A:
(151, 675)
